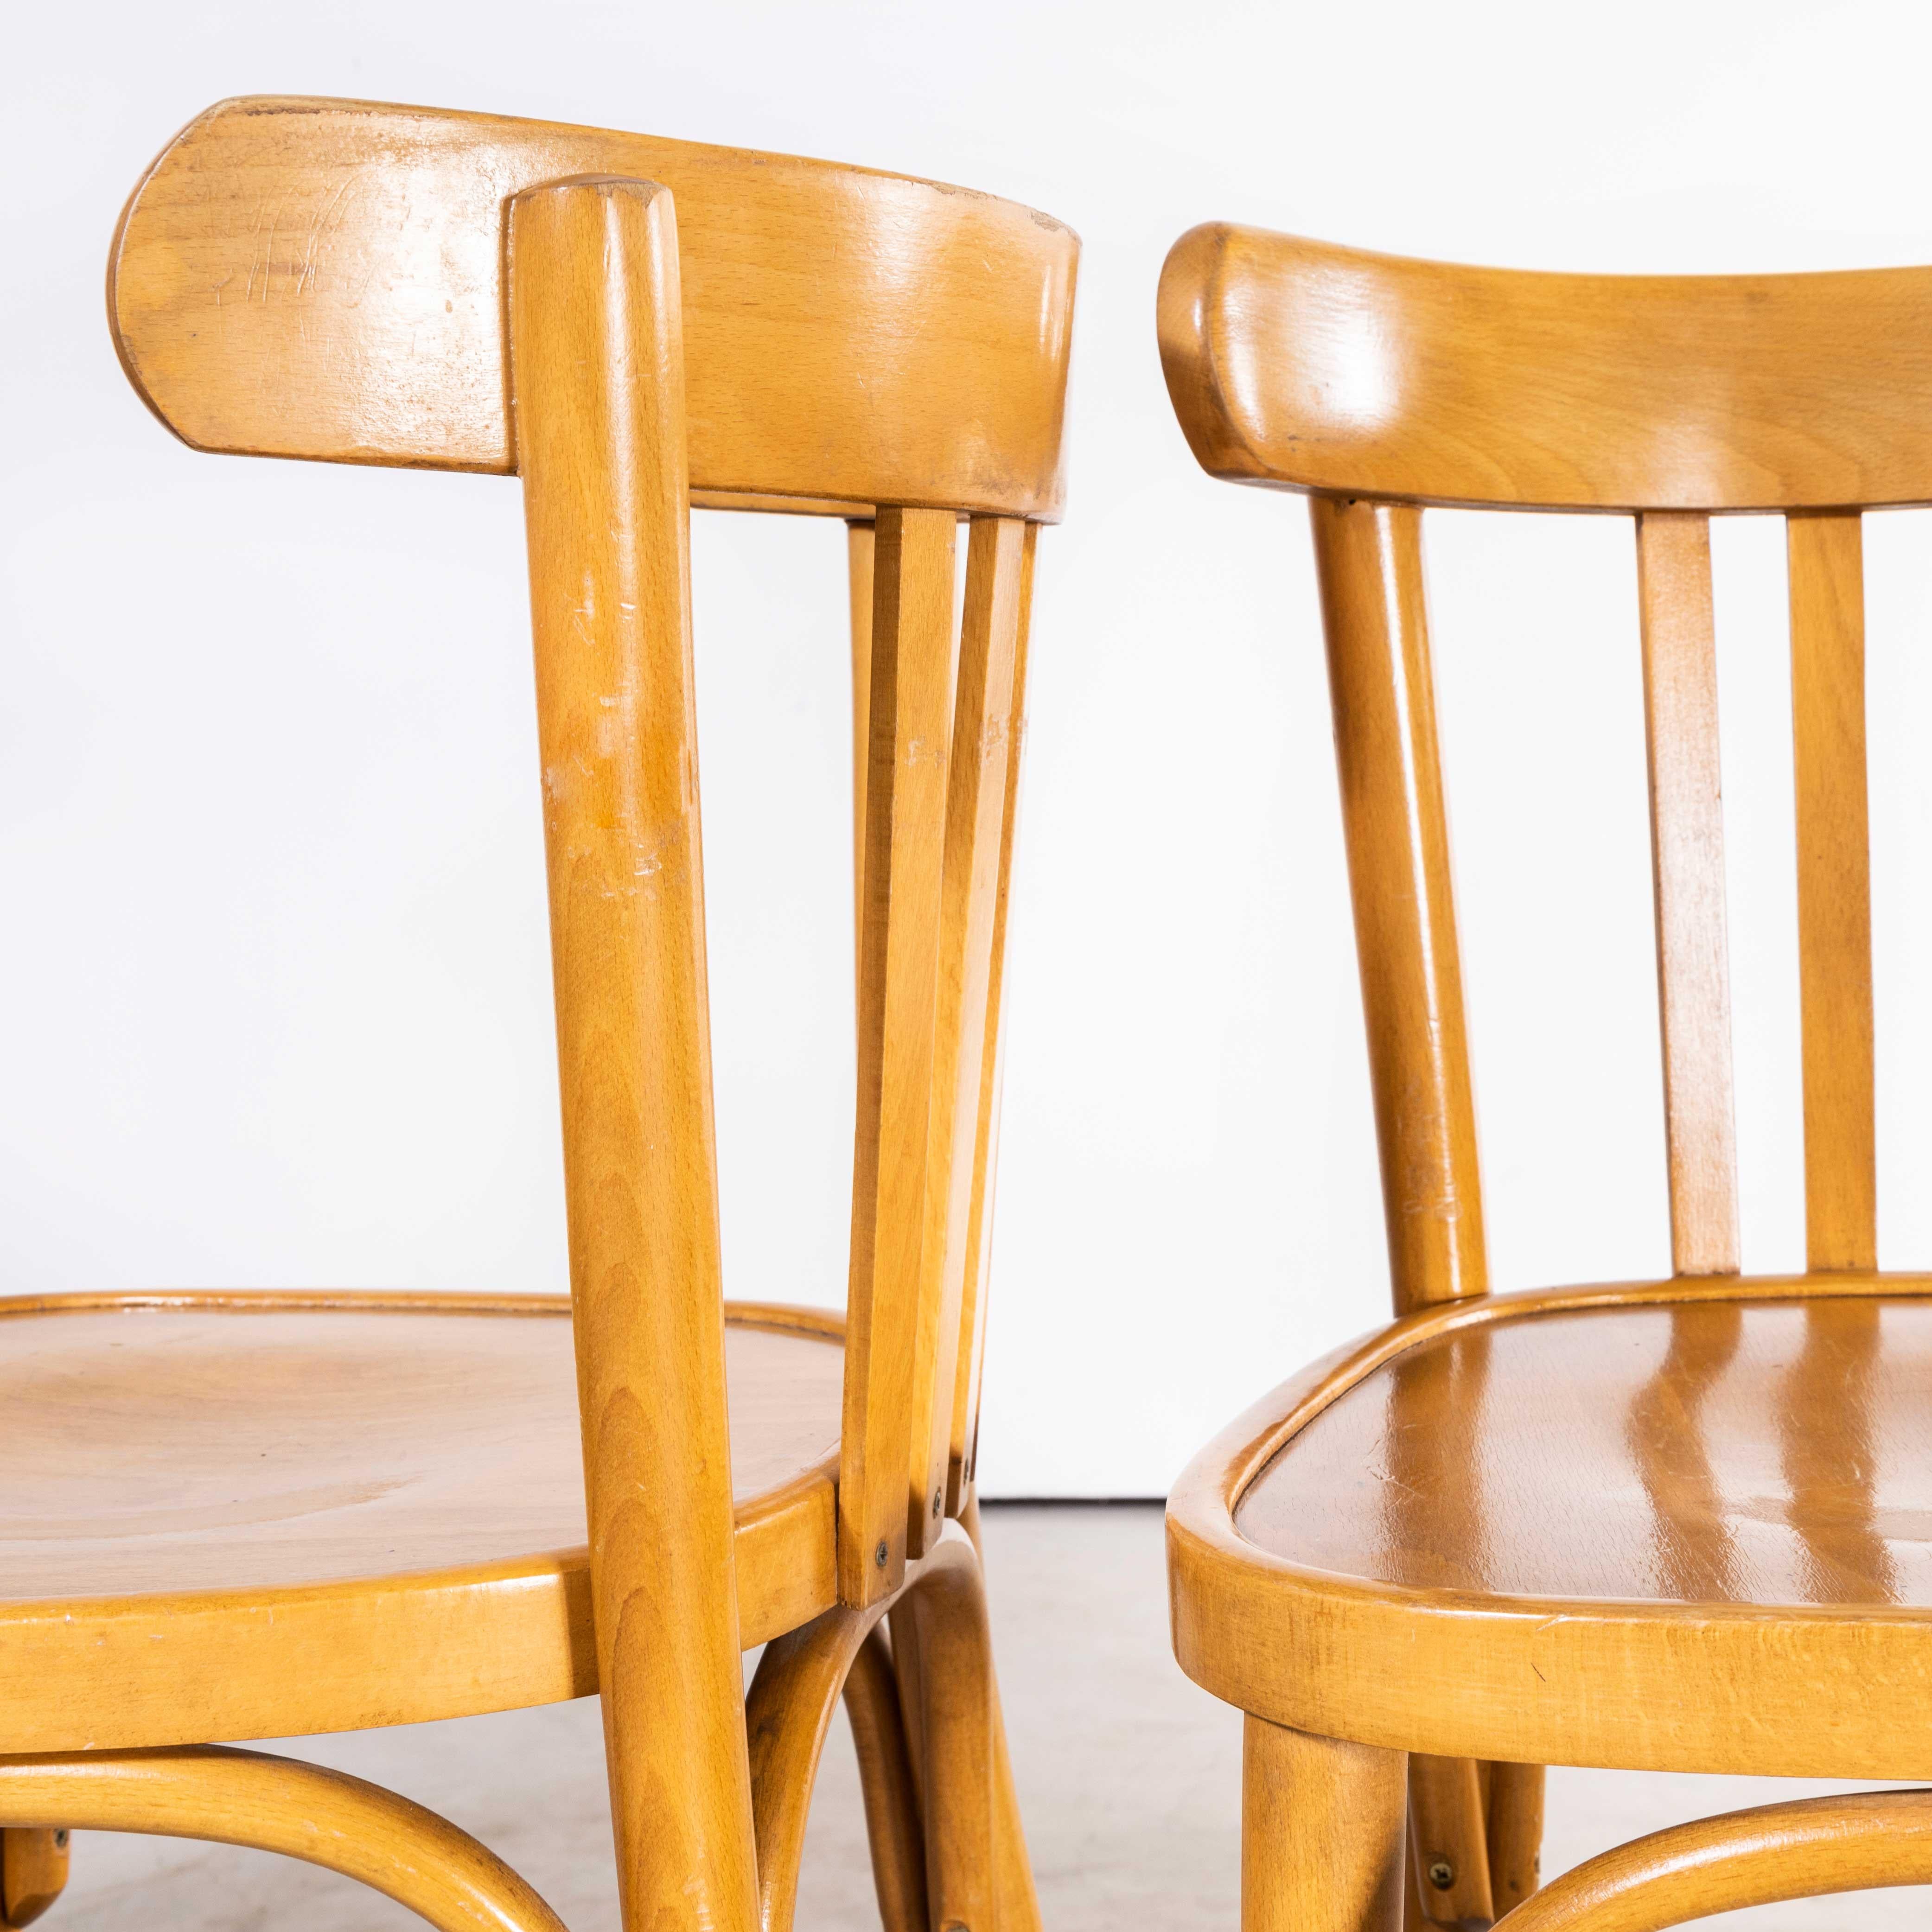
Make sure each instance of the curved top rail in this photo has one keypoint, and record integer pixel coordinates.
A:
(325, 279)
(1308, 366)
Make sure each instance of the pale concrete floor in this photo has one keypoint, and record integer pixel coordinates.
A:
(1129, 1776)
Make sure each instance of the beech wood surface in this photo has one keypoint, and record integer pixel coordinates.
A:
(393, 1484)
(1680, 702)
(598, 376)
(1660, 1526)
(1722, 1462)
(1812, 1847)
(448, 1531)
(978, 1250)
(894, 1829)
(1321, 1833)
(1514, 1833)
(1369, 560)
(1827, 703)
(303, 1811)
(909, 724)
(33, 1872)
(1303, 365)
(963, 1024)
(325, 279)
(1448, 1841)
(1659, 1682)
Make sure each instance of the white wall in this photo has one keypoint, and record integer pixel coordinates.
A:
(273, 1002)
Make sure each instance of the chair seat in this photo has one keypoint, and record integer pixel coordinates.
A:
(379, 1499)
(1652, 1532)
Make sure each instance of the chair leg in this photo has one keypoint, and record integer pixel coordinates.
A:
(33, 1873)
(1016, 1901)
(893, 1826)
(1448, 1842)
(945, 1610)
(1321, 1833)
(1515, 1833)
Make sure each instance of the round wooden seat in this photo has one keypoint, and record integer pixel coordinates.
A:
(379, 1497)
(1611, 1527)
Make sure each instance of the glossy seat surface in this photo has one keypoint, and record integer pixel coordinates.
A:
(1773, 1453)
(1668, 1526)
(296, 1470)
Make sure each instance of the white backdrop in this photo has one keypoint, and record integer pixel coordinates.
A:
(274, 1001)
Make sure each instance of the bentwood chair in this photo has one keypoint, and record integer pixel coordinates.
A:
(1671, 1525)
(245, 1516)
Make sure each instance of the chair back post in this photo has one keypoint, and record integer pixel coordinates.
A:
(1369, 563)
(597, 363)
(860, 345)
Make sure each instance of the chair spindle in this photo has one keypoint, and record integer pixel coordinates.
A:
(976, 807)
(1828, 695)
(1687, 839)
(1368, 558)
(909, 721)
(965, 1457)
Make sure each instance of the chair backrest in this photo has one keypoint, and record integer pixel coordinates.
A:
(631, 324)
(1378, 385)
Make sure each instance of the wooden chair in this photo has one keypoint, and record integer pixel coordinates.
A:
(1672, 1524)
(245, 1516)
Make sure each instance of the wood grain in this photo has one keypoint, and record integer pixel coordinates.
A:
(910, 724)
(159, 1453)
(303, 1811)
(964, 1456)
(859, 590)
(598, 377)
(1369, 560)
(1687, 841)
(349, 282)
(1447, 1842)
(1515, 1833)
(325, 279)
(1543, 1528)
(1809, 1849)
(976, 807)
(1471, 1665)
(1304, 365)
(1321, 1833)
(33, 1872)
(894, 1829)
(1828, 702)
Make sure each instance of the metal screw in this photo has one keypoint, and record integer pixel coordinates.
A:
(879, 1556)
(1441, 1874)
(935, 1502)
(60, 1839)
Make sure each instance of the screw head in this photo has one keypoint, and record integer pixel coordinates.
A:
(1441, 1874)
(935, 1503)
(879, 1556)
(60, 1839)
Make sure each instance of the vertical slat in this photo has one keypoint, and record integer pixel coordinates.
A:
(1369, 559)
(909, 720)
(598, 371)
(965, 1455)
(1686, 840)
(858, 586)
(1828, 697)
(975, 810)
